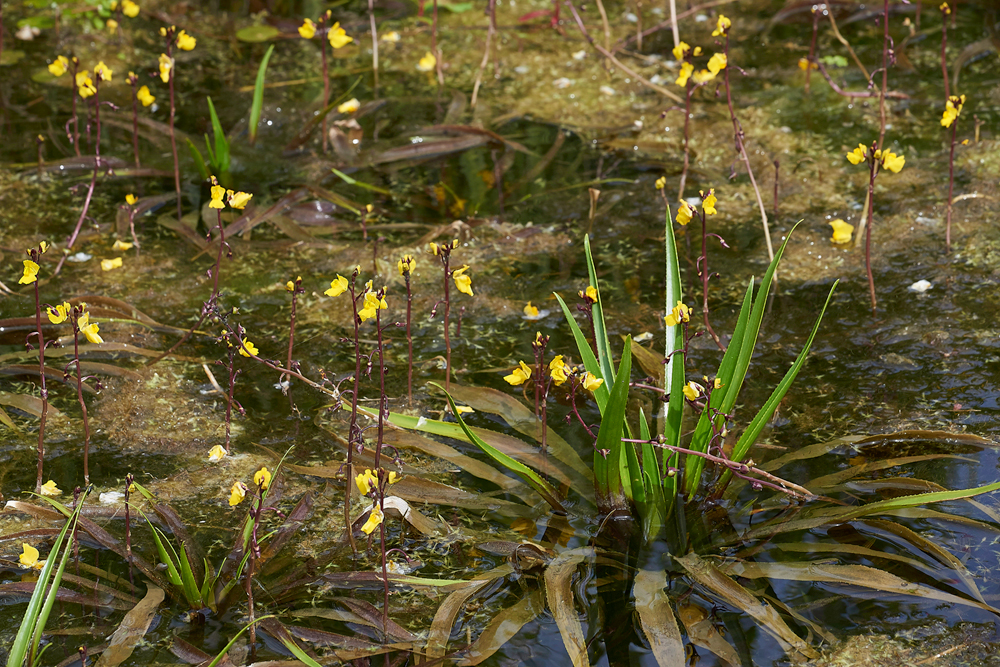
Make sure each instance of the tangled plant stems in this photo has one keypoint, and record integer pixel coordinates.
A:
(875, 158)
(30, 276)
(405, 266)
(463, 283)
(184, 42)
(685, 213)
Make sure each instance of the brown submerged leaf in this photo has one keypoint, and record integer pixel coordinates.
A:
(559, 591)
(719, 583)
(444, 618)
(657, 617)
(702, 632)
(503, 627)
(132, 629)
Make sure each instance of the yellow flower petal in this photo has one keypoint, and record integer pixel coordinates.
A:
(130, 9)
(144, 96)
(350, 106)
(591, 382)
(239, 200)
(216, 454)
(185, 42)
(50, 489)
(337, 286)
(308, 29)
(338, 36)
(374, 520)
(262, 478)
(248, 348)
(842, 231)
(237, 493)
(722, 26)
(686, 70)
(59, 66)
(111, 264)
(531, 312)
(59, 313)
(406, 265)
(520, 375)
(684, 214)
(29, 555)
(708, 204)
(717, 63)
(680, 50)
(462, 281)
(427, 63)
(30, 273)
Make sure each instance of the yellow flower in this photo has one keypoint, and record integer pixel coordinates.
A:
(85, 86)
(237, 494)
(717, 63)
(945, 8)
(686, 69)
(559, 370)
(144, 96)
(462, 410)
(804, 64)
(111, 264)
(684, 213)
(338, 36)
(102, 71)
(531, 312)
(43, 246)
(89, 329)
(59, 65)
(131, 199)
(350, 106)
(130, 9)
(702, 76)
(462, 281)
(290, 285)
(374, 519)
(393, 477)
(120, 245)
(185, 42)
(661, 182)
(216, 454)
(308, 29)
(337, 286)
(721, 26)
(708, 204)
(50, 489)
(680, 50)
(366, 481)
(248, 348)
(29, 557)
(406, 264)
(680, 313)
(892, 162)
(112, 25)
(239, 200)
(591, 382)
(371, 305)
(391, 36)
(59, 313)
(952, 108)
(166, 66)
(590, 294)
(858, 155)
(520, 375)
(841, 231)
(218, 192)
(30, 273)
(262, 477)
(692, 390)
(427, 63)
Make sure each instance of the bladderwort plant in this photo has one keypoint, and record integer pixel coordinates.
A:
(952, 110)
(294, 288)
(875, 158)
(79, 320)
(238, 201)
(30, 277)
(338, 39)
(685, 213)
(463, 283)
(89, 87)
(690, 81)
(167, 66)
(59, 66)
(406, 265)
(722, 28)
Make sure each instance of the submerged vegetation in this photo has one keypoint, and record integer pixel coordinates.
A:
(424, 359)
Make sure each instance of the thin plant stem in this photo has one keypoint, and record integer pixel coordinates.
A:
(951, 186)
(409, 338)
(742, 150)
(231, 349)
(75, 138)
(873, 172)
(383, 409)
(371, 17)
(687, 141)
(491, 28)
(447, 315)
(133, 80)
(128, 530)
(79, 396)
(93, 178)
(291, 323)
(850, 49)
(605, 24)
(703, 270)
(354, 437)
(885, 74)
(326, 80)
(777, 167)
(44, 389)
(944, 46)
(812, 47)
(173, 139)
(673, 22)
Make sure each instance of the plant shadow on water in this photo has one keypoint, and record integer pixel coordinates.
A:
(858, 501)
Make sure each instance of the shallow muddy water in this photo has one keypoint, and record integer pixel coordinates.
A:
(511, 179)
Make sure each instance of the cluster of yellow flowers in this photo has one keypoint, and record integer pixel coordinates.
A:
(686, 212)
(367, 483)
(57, 315)
(559, 370)
(237, 200)
(692, 390)
(129, 9)
(337, 36)
(83, 81)
(405, 265)
(889, 160)
(261, 478)
(716, 63)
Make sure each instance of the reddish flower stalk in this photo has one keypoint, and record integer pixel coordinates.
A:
(134, 81)
(76, 313)
(173, 112)
(872, 173)
(44, 393)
